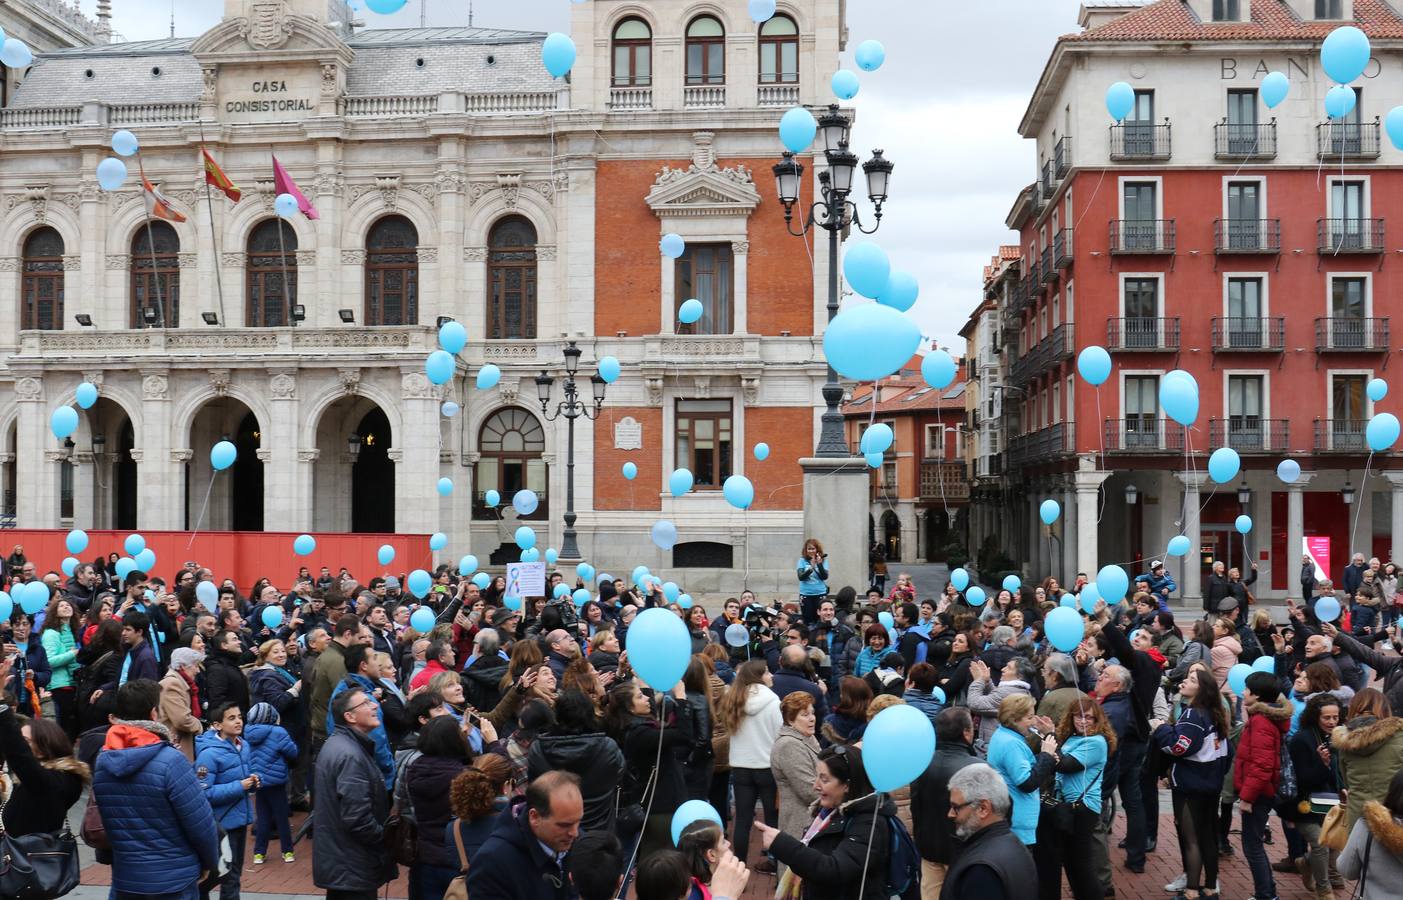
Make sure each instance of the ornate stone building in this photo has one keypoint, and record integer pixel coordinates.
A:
(453, 178)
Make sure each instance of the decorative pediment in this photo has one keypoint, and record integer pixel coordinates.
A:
(707, 190)
(270, 25)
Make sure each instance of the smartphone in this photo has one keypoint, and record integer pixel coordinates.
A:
(474, 720)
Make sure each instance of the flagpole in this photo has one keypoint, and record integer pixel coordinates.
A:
(287, 285)
(213, 235)
(151, 245)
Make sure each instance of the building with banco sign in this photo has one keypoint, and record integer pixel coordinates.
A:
(453, 177)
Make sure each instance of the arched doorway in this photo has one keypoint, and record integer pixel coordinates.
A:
(124, 479)
(353, 478)
(373, 476)
(235, 496)
(891, 535)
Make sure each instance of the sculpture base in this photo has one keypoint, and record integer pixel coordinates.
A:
(836, 492)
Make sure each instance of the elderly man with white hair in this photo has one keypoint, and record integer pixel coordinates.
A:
(179, 709)
(993, 864)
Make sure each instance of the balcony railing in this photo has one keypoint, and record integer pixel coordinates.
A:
(1246, 235)
(1349, 235)
(1060, 344)
(785, 95)
(704, 96)
(1062, 248)
(1347, 334)
(1142, 334)
(1252, 334)
(1244, 141)
(885, 493)
(1062, 157)
(1049, 271)
(1044, 445)
(624, 99)
(1049, 180)
(1142, 236)
(1139, 142)
(944, 480)
(1340, 436)
(1033, 280)
(1347, 140)
(391, 106)
(1144, 434)
(1248, 434)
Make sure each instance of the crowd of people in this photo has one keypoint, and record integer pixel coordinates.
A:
(509, 751)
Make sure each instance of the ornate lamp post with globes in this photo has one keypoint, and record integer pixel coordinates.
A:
(572, 408)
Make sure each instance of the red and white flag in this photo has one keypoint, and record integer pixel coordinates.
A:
(156, 203)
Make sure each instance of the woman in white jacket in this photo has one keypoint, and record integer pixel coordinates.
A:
(750, 711)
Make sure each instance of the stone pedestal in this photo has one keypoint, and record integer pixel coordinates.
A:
(835, 512)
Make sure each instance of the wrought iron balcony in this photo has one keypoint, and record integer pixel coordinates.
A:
(1346, 334)
(1249, 334)
(1341, 436)
(1059, 345)
(1349, 235)
(1152, 236)
(1249, 434)
(1249, 141)
(1049, 271)
(1062, 248)
(1044, 445)
(1048, 180)
(1144, 434)
(1140, 142)
(1246, 235)
(1062, 157)
(1347, 140)
(1144, 335)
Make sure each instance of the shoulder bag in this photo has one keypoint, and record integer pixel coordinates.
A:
(38, 866)
(1334, 831)
(1060, 811)
(458, 887)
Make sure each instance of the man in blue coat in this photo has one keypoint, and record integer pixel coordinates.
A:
(156, 816)
(359, 664)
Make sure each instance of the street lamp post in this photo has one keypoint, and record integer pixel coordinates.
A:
(834, 213)
(572, 407)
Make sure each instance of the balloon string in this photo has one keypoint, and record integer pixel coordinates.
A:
(200, 521)
(1102, 496)
(1359, 503)
(871, 836)
(647, 795)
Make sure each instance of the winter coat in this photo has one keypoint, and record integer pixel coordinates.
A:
(1369, 752)
(520, 868)
(1012, 758)
(348, 851)
(1313, 776)
(842, 729)
(933, 828)
(868, 659)
(1193, 652)
(926, 703)
(984, 700)
(221, 766)
(41, 791)
(272, 685)
(720, 737)
(483, 679)
(1157, 583)
(330, 669)
(831, 864)
(1224, 656)
(177, 713)
(428, 781)
(380, 737)
(61, 652)
(1171, 646)
(1353, 577)
(997, 657)
(1385, 853)
(157, 819)
(592, 756)
(225, 682)
(1201, 755)
(753, 738)
(1257, 764)
(793, 761)
(1389, 668)
(788, 682)
(271, 753)
(1057, 701)
(639, 744)
(1364, 614)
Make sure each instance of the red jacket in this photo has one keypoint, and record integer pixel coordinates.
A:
(431, 668)
(1257, 766)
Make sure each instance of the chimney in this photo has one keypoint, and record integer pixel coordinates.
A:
(1095, 13)
(104, 21)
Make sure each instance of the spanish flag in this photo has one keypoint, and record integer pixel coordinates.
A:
(156, 203)
(215, 176)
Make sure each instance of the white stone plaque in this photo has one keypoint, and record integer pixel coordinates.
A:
(628, 434)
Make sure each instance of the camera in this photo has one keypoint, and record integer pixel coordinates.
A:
(564, 612)
(760, 622)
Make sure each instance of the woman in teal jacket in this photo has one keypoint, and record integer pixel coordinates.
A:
(1023, 770)
(60, 641)
(222, 767)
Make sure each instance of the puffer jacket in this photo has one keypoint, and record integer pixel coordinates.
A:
(1369, 752)
(1224, 655)
(61, 648)
(832, 863)
(157, 819)
(1257, 765)
(220, 766)
(271, 752)
(429, 779)
(592, 756)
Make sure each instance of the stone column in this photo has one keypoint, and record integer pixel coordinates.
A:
(1295, 534)
(1087, 482)
(1191, 584)
(159, 485)
(1395, 482)
(31, 440)
(1070, 535)
(835, 493)
(84, 510)
(450, 182)
(416, 443)
(284, 502)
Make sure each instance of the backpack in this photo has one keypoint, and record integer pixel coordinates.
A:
(903, 862)
(1289, 788)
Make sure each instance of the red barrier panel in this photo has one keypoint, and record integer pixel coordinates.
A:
(244, 556)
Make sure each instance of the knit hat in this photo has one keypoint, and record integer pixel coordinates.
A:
(392, 583)
(262, 714)
(185, 657)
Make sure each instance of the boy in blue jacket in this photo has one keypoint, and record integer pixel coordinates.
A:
(222, 767)
(272, 752)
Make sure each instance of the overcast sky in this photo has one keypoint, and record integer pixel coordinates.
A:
(945, 108)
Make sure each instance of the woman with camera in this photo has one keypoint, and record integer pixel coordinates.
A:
(813, 579)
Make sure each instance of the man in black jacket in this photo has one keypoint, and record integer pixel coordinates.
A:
(1216, 588)
(992, 863)
(349, 856)
(792, 677)
(1389, 668)
(530, 842)
(930, 797)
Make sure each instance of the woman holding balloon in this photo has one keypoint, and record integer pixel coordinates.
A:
(652, 739)
(1023, 770)
(1085, 741)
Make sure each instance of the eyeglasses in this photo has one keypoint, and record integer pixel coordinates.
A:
(957, 808)
(351, 709)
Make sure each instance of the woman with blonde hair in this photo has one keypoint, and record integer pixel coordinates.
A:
(1225, 650)
(813, 579)
(1085, 740)
(750, 712)
(794, 761)
(1022, 770)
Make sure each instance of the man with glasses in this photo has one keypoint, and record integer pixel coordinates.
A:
(350, 858)
(992, 864)
(561, 650)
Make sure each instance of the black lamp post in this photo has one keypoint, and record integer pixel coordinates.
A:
(835, 214)
(572, 407)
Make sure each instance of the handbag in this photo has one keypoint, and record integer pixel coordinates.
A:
(458, 887)
(402, 839)
(93, 831)
(1334, 831)
(1063, 812)
(38, 866)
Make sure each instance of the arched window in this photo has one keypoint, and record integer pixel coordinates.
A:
(155, 267)
(511, 444)
(271, 275)
(706, 51)
(633, 54)
(779, 51)
(392, 273)
(511, 279)
(41, 283)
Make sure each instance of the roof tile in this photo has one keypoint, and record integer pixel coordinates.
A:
(1272, 20)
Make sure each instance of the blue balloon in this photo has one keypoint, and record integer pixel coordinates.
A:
(760, 11)
(7, 606)
(585, 571)
(1068, 601)
(1264, 664)
(1376, 389)
(525, 501)
(437, 541)
(845, 84)
(671, 591)
(285, 206)
(1243, 524)
(222, 455)
(208, 594)
(467, 565)
(422, 620)
(690, 311)
(1237, 678)
(488, 376)
(680, 482)
(1050, 511)
(870, 55)
(111, 173)
(874, 460)
(1393, 124)
(1120, 100)
(960, 578)
(419, 583)
(452, 336)
(304, 544)
(1275, 86)
(16, 54)
(738, 491)
(511, 603)
(1381, 432)
(1179, 400)
(482, 580)
(885, 618)
(69, 565)
(1288, 470)
(1340, 101)
(552, 555)
(525, 537)
(1094, 365)
(385, 555)
(560, 590)
(672, 245)
(134, 544)
(77, 541)
(1179, 545)
(797, 129)
(664, 535)
(870, 341)
(1088, 598)
(125, 566)
(531, 554)
(445, 486)
(685, 601)
(1012, 583)
(762, 451)
(86, 395)
(901, 292)
(867, 270)
(659, 648)
(1224, 465)
(64, 421)
(450, 409)
(439, 367)
(638, 574)
(975, 596)
(609, 369)
(1064, 628)
(272, 616)
(385, 7)
(580, 597)
(1112, 583)
(876, 439)
(938, 369)
(558, 54)
(630, 471)
(1345, 54)
(897, 746)
(145, 560)
(492, 498)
